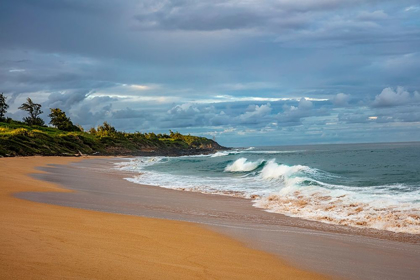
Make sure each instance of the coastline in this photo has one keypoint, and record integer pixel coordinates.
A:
(334, 250)
(41, 241)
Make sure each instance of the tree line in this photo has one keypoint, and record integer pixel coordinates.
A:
(58, 117)
(60, 120)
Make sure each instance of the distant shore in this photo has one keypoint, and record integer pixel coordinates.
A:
(43, 241)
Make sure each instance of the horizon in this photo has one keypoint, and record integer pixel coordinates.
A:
(323, 144)
(249, 73)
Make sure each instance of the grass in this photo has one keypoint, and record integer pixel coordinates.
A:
(19, 139)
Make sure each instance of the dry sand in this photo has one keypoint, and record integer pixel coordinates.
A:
(42, 241)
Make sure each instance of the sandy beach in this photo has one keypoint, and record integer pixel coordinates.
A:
(338, 251)
(44, 241)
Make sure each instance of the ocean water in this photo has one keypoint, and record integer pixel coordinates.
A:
(361, 185)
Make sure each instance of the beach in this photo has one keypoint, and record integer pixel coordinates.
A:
(45, 241)
(341, 252)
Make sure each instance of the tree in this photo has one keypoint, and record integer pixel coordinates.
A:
(3, 106)
(93, 131)
(61, 121)
(106, 130)
(34, 111)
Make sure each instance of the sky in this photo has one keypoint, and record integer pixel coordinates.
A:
(249, 73)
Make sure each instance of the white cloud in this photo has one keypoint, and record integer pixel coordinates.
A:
(293, 114)
(305, 104)
(341, 100)
(412, 9)
(393, 97)
(141, 87)
(255, 113)
(183, 109)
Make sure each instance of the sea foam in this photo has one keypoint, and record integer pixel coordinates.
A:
(243, 165)
(297, 191)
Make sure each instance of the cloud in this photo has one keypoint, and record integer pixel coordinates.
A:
(412, 9)
(201, 66)
(355, 117)
(341, 100)
(222, 15)
(85, 116)
(241, 114)
(393, 97)
(65, 100)
(185, 109)
(254, 114)
(233, 15)
(292, 115)
(16, 70)
(372, 16)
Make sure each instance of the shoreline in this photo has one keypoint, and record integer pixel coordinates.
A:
(41, 241)
(317, 248)
(295, 221)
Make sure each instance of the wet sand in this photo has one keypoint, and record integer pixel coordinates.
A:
(44, 241)
(339, 251)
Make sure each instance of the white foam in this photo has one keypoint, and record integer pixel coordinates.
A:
(242, 165)
(297, 191)
(220, 154)
(271, 152)
(272, 170)
(343, 208)
(136, 164)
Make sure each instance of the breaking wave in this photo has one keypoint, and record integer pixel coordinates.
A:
(243, 165)
(224, 153)
(297, 191)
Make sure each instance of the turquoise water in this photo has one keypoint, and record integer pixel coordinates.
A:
(362, 185)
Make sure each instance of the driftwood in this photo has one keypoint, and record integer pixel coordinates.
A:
(79, 154)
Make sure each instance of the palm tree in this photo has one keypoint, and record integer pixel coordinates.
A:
(34, 110)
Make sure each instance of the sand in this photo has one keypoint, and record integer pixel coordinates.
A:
(43, 241)
(338, 251)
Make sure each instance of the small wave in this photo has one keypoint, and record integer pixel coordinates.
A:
(271, 152)
(243, 165)
(220, 154)
(224, 153)
(137, 164)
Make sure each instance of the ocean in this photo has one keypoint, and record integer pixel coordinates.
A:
(361, 185)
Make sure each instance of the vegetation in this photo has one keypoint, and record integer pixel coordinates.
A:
(34, 110)
(18, 138)
(31, 137)
(61, 121)
(3, 106)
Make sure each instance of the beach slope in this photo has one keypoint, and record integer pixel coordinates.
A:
(42, 241)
